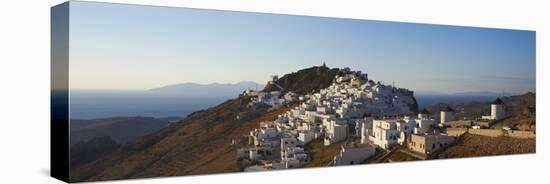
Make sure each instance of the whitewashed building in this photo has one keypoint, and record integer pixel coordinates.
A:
(429, 143)
(353, 154)
(307, 136)
(497, 111)
(424, 122)
(336, 131)
(447, 115)
(384, 133)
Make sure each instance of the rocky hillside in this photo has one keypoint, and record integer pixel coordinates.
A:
(200, 143)
(515, 105)
(175, 150)
(311, 80)
(87, 151)
(475, 145)
(120, 129)
(525, 121)
(307, 80)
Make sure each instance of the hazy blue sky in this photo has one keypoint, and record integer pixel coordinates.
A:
(115, 46)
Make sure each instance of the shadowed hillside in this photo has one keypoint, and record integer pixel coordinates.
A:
(120, 129)
(88, 151)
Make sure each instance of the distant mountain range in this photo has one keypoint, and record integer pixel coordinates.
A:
(213, 89)
(468, 93)
(482, 93)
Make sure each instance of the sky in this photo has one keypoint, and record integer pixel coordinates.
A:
(131, 47)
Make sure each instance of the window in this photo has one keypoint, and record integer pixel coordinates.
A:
(433, 146)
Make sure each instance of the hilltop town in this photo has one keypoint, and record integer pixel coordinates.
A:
(317, 116)
(368, 120)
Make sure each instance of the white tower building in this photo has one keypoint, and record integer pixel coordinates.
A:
(447, 115)
(423, 122)
(497, 111)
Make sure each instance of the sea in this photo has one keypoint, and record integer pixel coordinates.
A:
(106, 104)
(102, 104)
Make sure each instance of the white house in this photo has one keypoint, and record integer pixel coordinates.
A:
(306, 136)
(424, 122)
(429, 143)
(406, 125)
(423, 125)
(335, 132)
(362, 128)
(353, 154)
(254, 153)
(291, 155)
(384, 133)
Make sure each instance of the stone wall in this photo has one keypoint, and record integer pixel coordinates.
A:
(456, 131)
(486, 132)
(492, 133)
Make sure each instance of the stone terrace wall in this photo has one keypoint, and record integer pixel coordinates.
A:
(492, 133)
(456, 131)
(486, 132)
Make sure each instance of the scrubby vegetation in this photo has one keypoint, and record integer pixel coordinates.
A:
(87, 151)
(475, 145)
(321, 155)
(307, 80)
